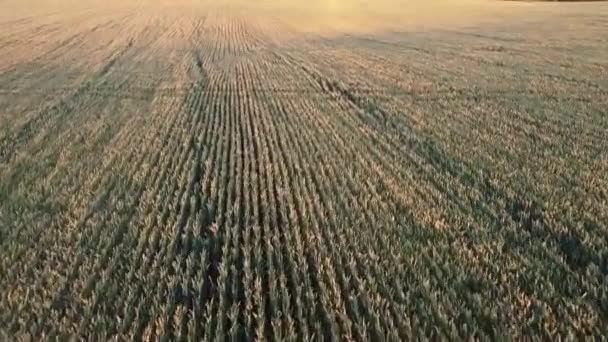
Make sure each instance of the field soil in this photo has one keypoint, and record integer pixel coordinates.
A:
(327, 170)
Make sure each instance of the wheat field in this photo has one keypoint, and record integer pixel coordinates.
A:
(327, 170)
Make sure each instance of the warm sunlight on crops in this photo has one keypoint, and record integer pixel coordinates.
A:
(319, 170)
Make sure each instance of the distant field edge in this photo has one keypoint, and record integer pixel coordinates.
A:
(557, 0)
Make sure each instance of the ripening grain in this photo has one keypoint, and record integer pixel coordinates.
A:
(330, 170)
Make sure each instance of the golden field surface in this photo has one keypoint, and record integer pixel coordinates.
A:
(326, 170)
